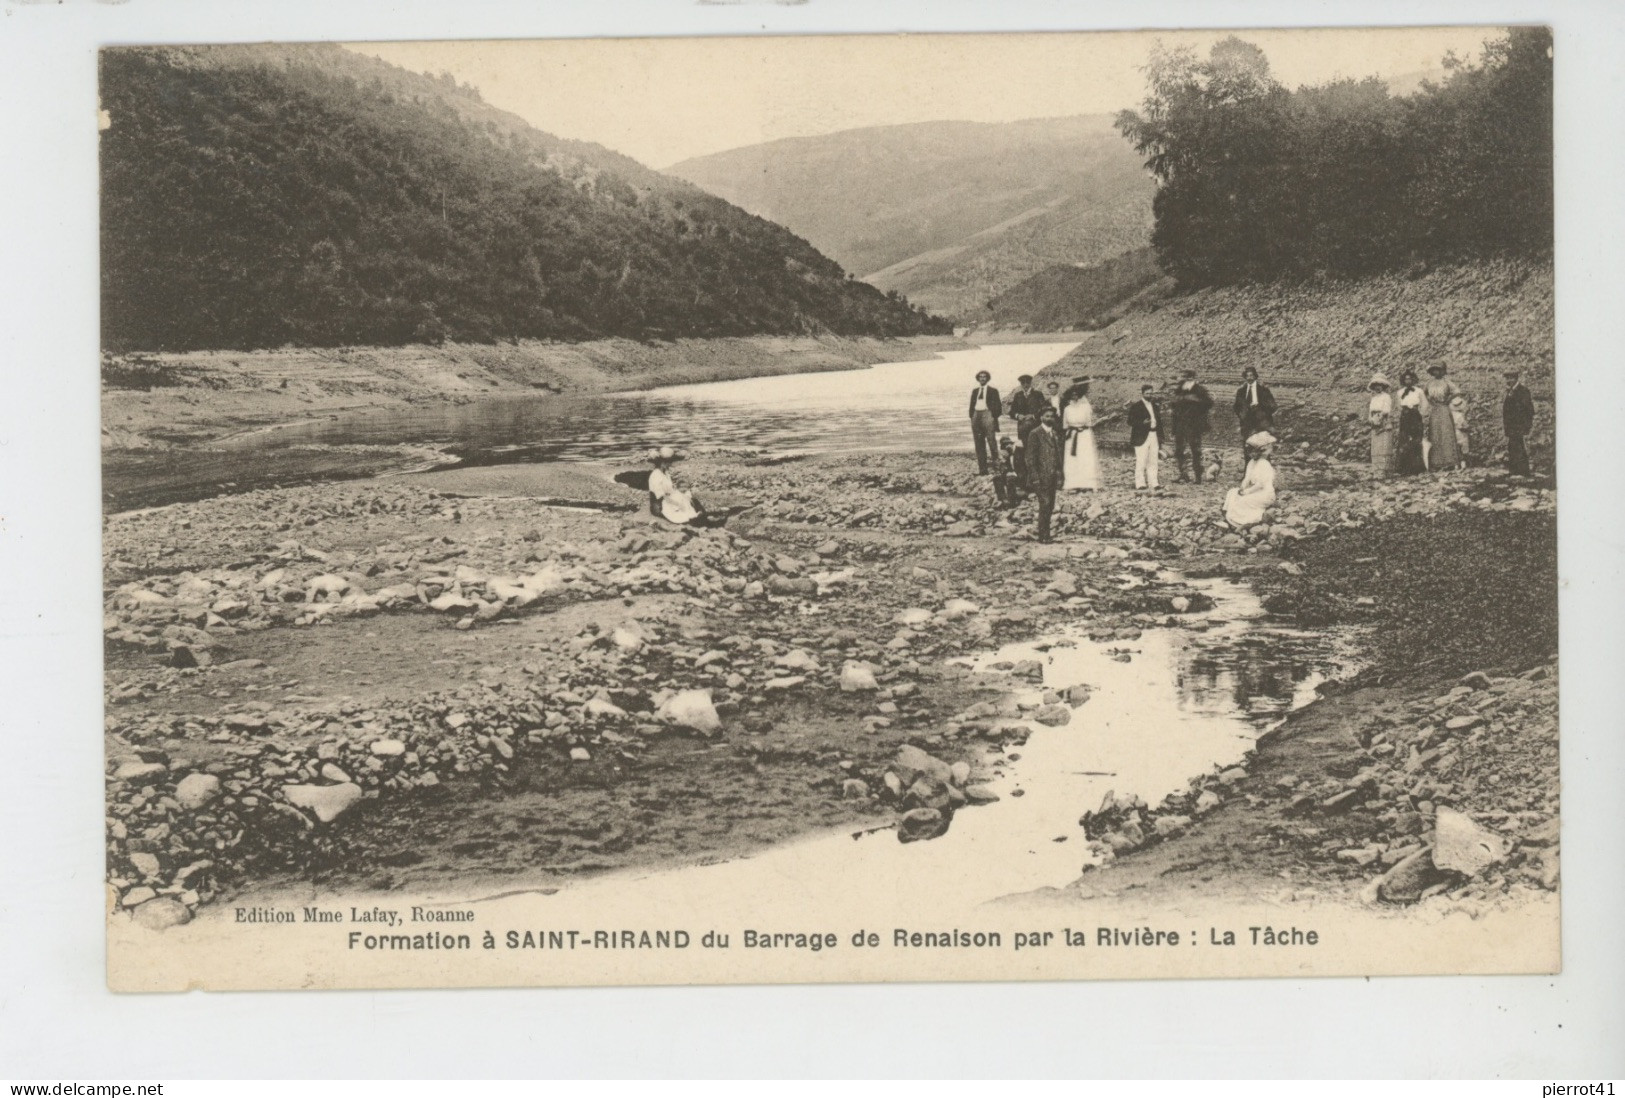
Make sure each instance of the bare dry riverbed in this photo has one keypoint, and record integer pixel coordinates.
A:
(391, 684)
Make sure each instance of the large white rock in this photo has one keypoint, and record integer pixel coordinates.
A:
(603, 707)
(1462, 845)
(914, 615)
(328, 802)
(954, 609)
(691, 709)
(543, 581)
(858, 676)
(196, 790)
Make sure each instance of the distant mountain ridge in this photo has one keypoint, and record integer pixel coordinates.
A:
(306, 195)
(949, 213)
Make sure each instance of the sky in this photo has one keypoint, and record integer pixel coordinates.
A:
(662, 100)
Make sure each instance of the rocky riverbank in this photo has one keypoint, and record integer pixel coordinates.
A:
(401, 682)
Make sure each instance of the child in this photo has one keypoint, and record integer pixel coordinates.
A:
(1458, 412)
(1005, 483)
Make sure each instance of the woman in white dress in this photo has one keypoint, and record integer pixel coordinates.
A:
(665, 499)
(1079, 460)
(1245, 506)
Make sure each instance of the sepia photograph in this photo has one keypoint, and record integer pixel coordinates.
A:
(863, 508)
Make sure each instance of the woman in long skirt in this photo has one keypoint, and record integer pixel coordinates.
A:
(1380, 415)
(1080, 462)
(1444, 452)
(1246, 505)
(1411, 438)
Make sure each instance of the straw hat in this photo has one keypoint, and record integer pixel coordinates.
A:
(1378, 379)
(1261, 440)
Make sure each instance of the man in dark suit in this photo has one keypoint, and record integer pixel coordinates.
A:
(1517, 420)
(984, 420)
(1255, 405)
(1145, 435)
(1046, 471)
(1026, 405)
(1190, 414)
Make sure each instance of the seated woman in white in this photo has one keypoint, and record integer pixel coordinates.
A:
(1245, 506)
(665, 499)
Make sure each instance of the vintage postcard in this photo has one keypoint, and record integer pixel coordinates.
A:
(946, 507)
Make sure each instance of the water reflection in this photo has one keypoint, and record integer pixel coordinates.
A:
(892, 406)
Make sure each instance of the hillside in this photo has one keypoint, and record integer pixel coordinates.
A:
(1317, 345)
(1071, 297)
(948, 213)
(306, 195)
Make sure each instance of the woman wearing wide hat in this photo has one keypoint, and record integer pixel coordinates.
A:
(1384, 423)
(1079, 456)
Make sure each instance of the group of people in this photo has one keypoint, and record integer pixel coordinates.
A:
(1054, 446)
(1423, 427)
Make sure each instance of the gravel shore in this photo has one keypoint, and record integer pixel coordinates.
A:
(416, 679)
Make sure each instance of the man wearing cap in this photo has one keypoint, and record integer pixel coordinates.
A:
(1145, 435)
(1255, 405)
(1517, 420)
(1046, 471)
(984, 420)
(1191, 405)
(1052, 396)
(1026, 405)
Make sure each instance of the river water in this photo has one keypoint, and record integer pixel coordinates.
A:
(891, 406)
(1166, 707)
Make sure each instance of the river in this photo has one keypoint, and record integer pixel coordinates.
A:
(891, 406)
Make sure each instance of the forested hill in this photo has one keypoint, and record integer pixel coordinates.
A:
(949, 213)
(306, 195)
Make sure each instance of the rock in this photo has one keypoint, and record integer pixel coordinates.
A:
(912, 763)
(914, 615)
(1207, 801)
(386, 749)
(784, 682)
(858, 676)
(146, 864)
(1028, 669)
(333, 774)
(602, 707)
(797, 659)
(196, 790)
(1462, 724)
(139, 771)
(1053, 715)
(1406, 882)
(691, 709)
(921, 823)
(1476, 680)
(628, 637)
(328, 802)
(137, 896)
(955, 609)
(1180, 604)
(580, 755)
(1167, 826)
(854, 789)
(184, 655)
(959, 772)
(1077, 695)
(162, 913)
(449, 602)
(1462, 845)
(980, 794)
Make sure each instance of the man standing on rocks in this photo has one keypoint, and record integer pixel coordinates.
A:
(984, 420)
(1145, 435)
(1027, 405)
(1191, 404)
(1517, 420)
(1255, 405)
(1045, 472)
